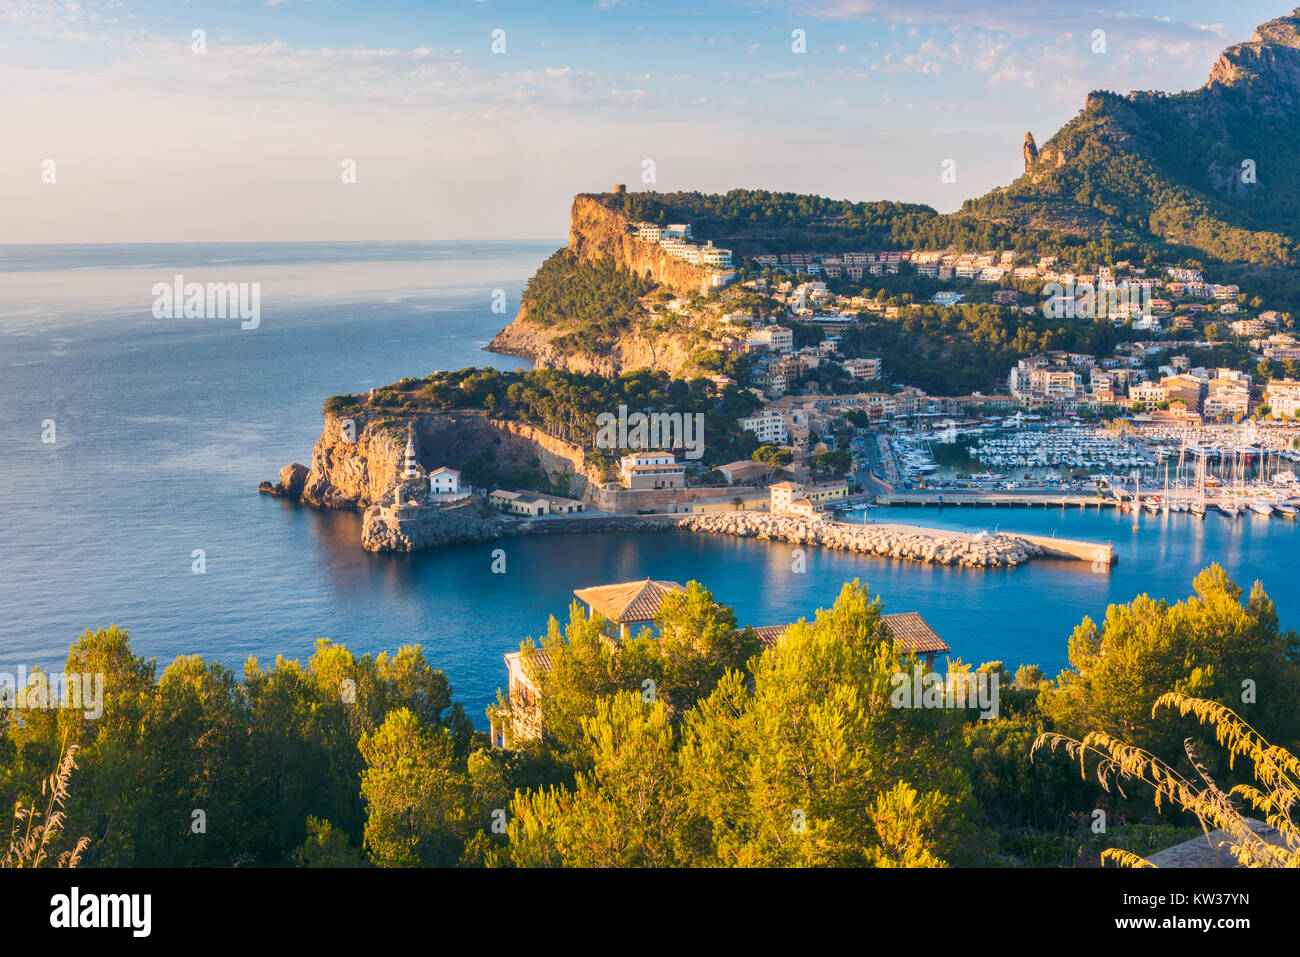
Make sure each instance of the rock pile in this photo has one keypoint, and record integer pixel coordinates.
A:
(933, 547)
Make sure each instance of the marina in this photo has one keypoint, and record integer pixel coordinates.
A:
(1228, 470)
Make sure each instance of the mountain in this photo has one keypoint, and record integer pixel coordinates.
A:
(1208, 171)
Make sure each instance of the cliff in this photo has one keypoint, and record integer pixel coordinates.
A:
(636, 349)
(1266, 67)
(359, 457)
(641, 340)
(597, 232)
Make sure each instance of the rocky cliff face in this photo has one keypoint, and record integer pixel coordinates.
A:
(1267, 66)
(1207, 168)
(355, 461)
(381, 532)
(596, 232)
(358, 459)
(660, 352)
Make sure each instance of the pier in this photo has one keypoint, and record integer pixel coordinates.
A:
(1014, 499)
(1179, 500)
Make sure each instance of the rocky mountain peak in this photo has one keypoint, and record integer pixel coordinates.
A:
(1031, 151)
(1270, 58)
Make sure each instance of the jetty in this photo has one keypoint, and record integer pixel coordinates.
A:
(909, 542)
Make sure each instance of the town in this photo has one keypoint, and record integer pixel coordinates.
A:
(833, 430)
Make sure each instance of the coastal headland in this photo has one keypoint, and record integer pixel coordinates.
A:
(356, 460)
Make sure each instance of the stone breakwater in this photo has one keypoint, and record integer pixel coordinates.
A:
(888, 541)
(471, 523)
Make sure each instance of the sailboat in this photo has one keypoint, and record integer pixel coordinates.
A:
(1198, 504)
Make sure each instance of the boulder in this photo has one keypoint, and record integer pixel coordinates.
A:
(293, 477)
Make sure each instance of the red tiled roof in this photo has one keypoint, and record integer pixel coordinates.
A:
(910, 631)
(629, 601)
(907, 628)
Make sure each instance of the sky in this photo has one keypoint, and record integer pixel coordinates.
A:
(121, 123)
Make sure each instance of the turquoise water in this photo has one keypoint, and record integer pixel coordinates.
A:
(165, 427)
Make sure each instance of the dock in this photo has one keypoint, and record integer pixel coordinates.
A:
(1011, 499)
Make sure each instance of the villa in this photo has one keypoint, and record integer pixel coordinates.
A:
(629, 604)
(651, 470)
(794, 498)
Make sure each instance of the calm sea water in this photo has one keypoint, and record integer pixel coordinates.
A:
(165, 427)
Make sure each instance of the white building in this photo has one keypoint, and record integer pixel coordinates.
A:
(777, 338)
(767, 426)
(444, 481)
(866, 369)
(651, 470)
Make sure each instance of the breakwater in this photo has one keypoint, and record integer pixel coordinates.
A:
(907, 542)
(468, 523)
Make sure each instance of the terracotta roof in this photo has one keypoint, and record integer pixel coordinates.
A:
(541, 659)
(629, 601)
(908, 629)
(771, 634)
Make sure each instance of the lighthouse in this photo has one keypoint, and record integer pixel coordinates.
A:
(410, 472)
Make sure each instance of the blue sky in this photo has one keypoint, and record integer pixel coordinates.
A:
(152, 141)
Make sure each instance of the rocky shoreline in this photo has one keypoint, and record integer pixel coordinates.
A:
(930, 546)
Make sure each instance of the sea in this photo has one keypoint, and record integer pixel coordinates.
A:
(133, 447)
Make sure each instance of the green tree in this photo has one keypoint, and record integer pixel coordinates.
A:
(626, 811)
(418, 806)
(803, 767)
(1211, 645)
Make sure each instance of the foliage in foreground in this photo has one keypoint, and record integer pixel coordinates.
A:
(700, 747)
(1274, 792)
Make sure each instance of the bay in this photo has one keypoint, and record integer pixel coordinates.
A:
(165, 427)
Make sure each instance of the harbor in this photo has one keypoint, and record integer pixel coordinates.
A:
(1233, 471)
